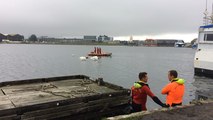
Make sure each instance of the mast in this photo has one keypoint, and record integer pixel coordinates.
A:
(208, 19)
(205, 18)
(211, 17)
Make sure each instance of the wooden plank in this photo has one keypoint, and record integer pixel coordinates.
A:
(16, 89)
(5, 103)
(67, 113)
(8, 112)
(93, 115)
(117, 101)
(1, 92)
(59, 86)
(29, 94)
(72, 82)
(40, 80)
(55, 113)
(11, 117)
(88, 112)
(79, 107)
(32, 98)
(38, 105)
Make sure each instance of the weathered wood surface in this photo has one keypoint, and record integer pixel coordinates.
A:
(63, 97)
(73, 109)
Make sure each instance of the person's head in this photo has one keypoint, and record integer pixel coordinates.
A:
(172, 74)
(143, 76)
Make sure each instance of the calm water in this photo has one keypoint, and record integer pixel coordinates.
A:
(35, 61)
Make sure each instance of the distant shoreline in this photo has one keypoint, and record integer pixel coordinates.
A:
(95, 44)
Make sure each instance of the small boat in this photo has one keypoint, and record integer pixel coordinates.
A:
(95, 58)
(76, 97)
(97, 52)
(82, 58)
(179, 43)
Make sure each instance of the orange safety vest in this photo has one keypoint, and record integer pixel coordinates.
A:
(175, 92)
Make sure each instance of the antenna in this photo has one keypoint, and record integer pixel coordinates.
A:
(206, 5)
(208, 19)
(205, 20)
(211, 17)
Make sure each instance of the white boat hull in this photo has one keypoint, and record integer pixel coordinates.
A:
(203, 62)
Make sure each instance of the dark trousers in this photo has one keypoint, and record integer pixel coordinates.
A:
(136, 107)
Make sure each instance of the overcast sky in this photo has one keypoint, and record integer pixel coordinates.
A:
(178, 19)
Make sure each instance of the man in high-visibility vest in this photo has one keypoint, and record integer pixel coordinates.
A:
(174, 90)
(140, 90)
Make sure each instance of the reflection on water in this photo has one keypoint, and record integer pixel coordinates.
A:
(204, 88)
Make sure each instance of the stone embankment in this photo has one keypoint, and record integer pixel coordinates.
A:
(196, 110)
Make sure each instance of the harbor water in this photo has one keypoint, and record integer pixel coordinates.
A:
(27, 61)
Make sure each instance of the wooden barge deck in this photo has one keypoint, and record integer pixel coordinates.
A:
(65, 97)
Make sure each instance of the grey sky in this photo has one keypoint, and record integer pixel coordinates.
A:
(61, 18)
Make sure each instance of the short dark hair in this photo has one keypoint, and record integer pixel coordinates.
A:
(173, 73)
(142, 75)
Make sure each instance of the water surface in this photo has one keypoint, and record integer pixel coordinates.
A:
(26, 61)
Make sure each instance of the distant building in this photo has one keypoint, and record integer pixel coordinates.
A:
(131, 38)
(104, 38)
(42, 38)
(46, 39)
(2, 37)
(15, 37)
(150, 42)
(167, 42)
(91, 38)
(135, 43)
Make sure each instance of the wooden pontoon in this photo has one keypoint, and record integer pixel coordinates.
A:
(66, 97)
